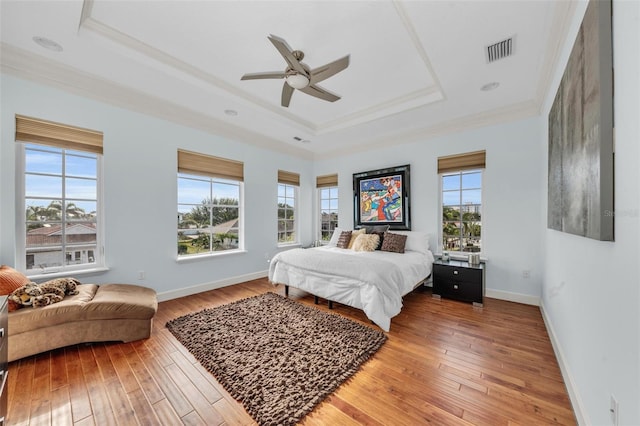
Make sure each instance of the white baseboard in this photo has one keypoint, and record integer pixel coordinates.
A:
(188, 291)
(572, 389)
(512, 297)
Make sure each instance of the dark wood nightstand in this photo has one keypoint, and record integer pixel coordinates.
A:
(459, 280)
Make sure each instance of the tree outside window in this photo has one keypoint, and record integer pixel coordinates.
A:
(208, 214)
(462, 211)
(287, 195)
(61, 205)
(328, 212)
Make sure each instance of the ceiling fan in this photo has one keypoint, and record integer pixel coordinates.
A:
(298, 75)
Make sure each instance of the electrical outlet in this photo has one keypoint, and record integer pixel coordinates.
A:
(613, 410)
(526, 273)
(141, 275)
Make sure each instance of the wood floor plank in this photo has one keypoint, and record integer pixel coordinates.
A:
(165, 413)
(41, 394)
(196, 377)
(61, 406)
(120, 405)
(59, 376)
(78, 395)
(445, 362)
(125, 375)
(144, 411)
(87, 421)
(149, 386)
(20, 401)
(177, 400)
(100, 405)
(199, 402)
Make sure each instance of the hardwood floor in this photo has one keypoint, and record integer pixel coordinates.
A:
(445, 362)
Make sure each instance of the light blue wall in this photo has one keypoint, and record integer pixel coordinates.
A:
(511, 220)
(140, 187)
(591, 289)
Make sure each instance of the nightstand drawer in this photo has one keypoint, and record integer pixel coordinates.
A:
(460, 290)
(446, 272)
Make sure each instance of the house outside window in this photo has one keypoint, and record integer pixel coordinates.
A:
(461, 202)
(288, 186)
(61, 196)
(327, 187)
(209, 206)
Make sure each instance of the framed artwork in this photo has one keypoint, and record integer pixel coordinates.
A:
(381, 197)
(581, 157)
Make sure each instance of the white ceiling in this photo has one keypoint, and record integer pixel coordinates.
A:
(416, 67)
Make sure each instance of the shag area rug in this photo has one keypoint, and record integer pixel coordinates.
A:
(278, 357)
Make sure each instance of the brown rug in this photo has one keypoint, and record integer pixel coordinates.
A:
(278, 357)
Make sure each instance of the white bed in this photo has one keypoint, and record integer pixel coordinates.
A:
(372, 281)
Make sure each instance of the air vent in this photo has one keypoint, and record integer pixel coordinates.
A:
(499, 50)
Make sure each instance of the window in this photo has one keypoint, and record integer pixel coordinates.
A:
(209, 204)
(328, 200)
(61, 196)
(288, 184)
(461, 202)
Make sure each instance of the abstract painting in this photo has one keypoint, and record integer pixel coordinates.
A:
(381, 197)
(581, 158)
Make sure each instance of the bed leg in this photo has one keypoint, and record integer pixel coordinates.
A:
(330, 304)
(315, 299)
(286, 290)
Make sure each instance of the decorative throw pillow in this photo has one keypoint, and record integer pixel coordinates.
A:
(46, 293)
(380, 239)
(10, 280)
(376, 228)
(344, 240)
(416, 241)
(366, 242)
(354, 235)
(393, 242)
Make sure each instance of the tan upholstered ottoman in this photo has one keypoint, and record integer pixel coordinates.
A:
(109, 312)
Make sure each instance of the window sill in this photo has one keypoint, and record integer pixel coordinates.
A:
(68, 273)
(197, 257)
(461, 257)
(289, 245)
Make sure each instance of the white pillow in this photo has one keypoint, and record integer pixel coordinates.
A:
(335, 237)
(416, 241)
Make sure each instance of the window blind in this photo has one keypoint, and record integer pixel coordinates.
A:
(208, 165)
(290, 178)
(470, 160)
(327, 180)
(50, 133)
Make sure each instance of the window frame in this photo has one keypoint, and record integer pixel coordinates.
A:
(211, 181)
(320, 210)
(99, 262)
(296, 227)
(460, 253)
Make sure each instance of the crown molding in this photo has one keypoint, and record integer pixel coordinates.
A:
(26, 65)
(558, 37)
(486, 118)
(414, 99)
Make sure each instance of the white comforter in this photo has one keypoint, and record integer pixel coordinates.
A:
(372, 281)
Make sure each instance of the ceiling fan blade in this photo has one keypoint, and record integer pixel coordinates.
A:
(319, 92)
(326, 71)
(287, 92)
(261, 75)
(285, 50)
